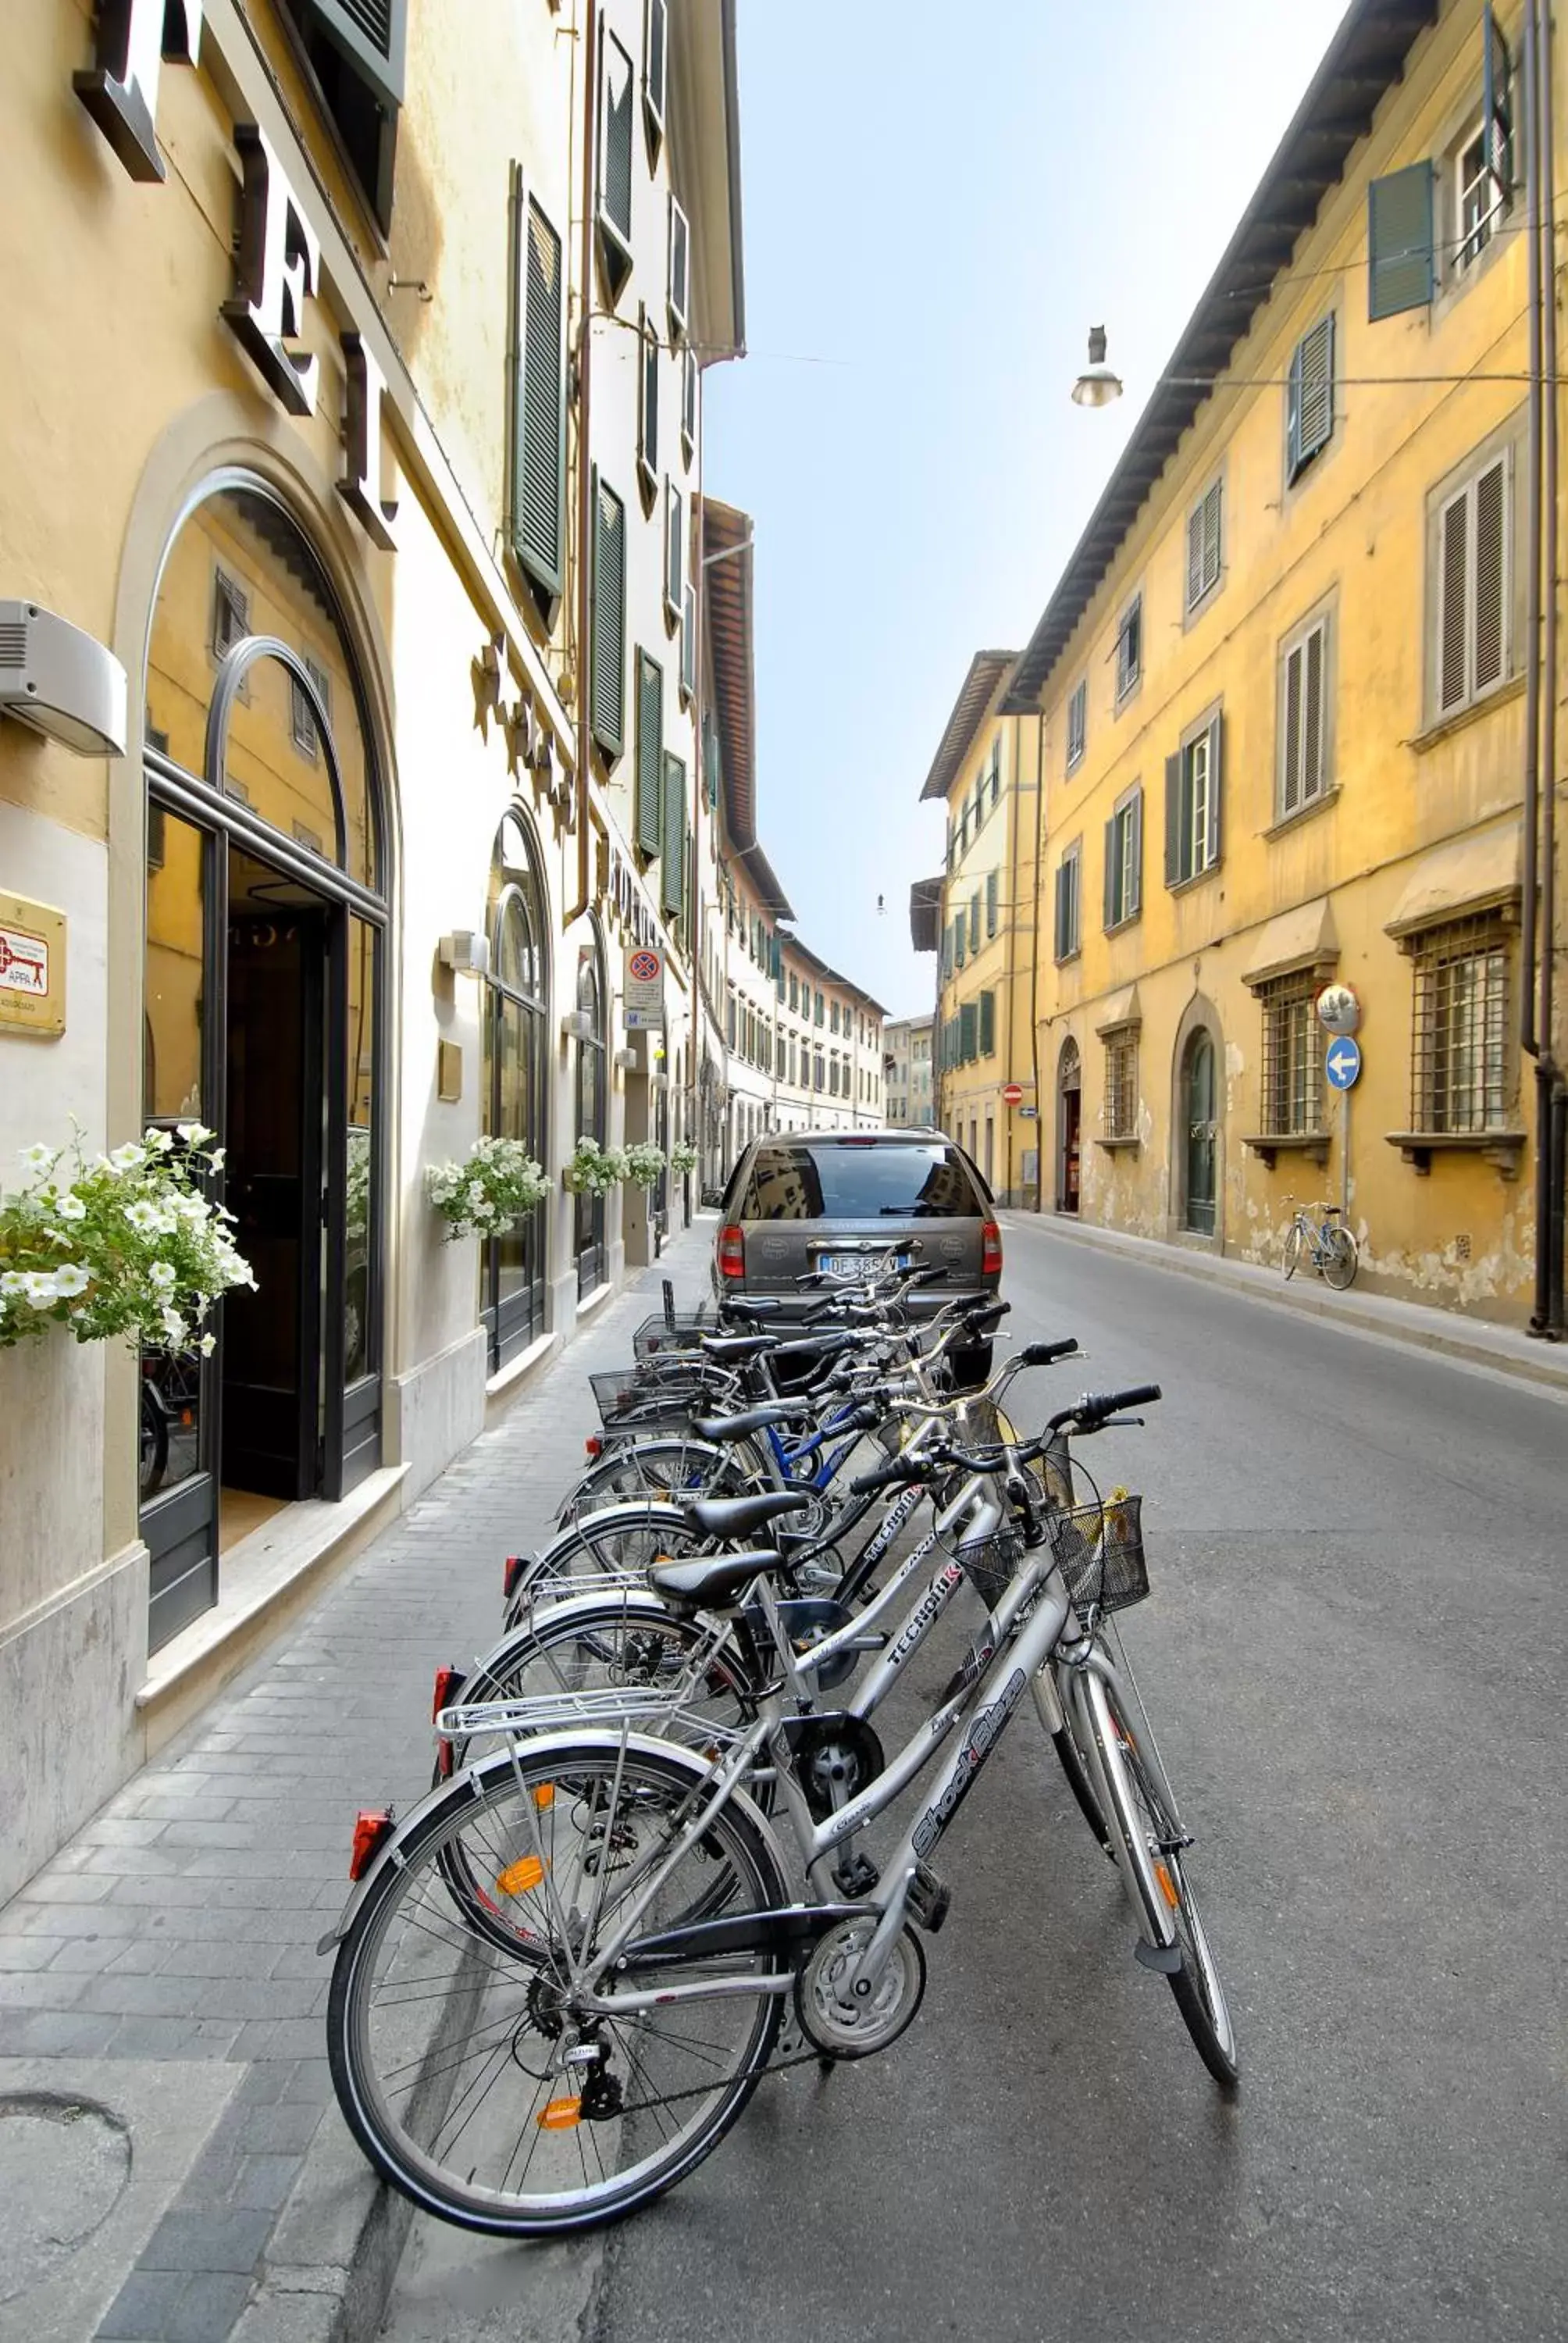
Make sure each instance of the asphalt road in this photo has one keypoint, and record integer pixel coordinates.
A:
(1354, 1659)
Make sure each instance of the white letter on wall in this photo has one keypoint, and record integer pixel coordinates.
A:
(278, 265)
(361, 485)
(121, 91)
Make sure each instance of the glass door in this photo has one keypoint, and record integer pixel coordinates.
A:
(1201, 1132)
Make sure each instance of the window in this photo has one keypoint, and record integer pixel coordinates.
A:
(974, 923)
(655, 61)
(1068, 870)
(606, 654)
(818, 1071)
(1124, 861)
(356, 53)
(1203, 545)
(1470, 584)
(536, 448)
(672, 878)
(1292, 1100)
(1459, 1051)
(616, 80)
(688, 643)
(794, 990)
(996, 769)
(833, 1016)
(1077, 724)
(988, 1024)
(1121, 1111)
(1304, 719)
(648, 403)
(969, 1034)
(960, 939)
(1400, 247)
(680, 288)
(674, 550)
(301, 722)
(648, 818)
(230, 613)
(1310, 398)
(689, 402)
(1129, 650)
(821, 1178)
(1193, 781)
(1481, 170)
(821, 1008)
(991, 902)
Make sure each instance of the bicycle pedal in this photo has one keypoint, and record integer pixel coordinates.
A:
(855, 1876)
(930, 1899)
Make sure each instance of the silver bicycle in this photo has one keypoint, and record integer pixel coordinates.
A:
(561, 1977)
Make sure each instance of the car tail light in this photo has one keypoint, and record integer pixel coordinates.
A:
(593, 1445)
(991, 1250)
(731, 1253)
(448, 1684)
(511, 1574)
(370, 1828)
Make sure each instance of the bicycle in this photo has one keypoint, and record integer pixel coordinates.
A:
(1317, 1230)
(623, 1935)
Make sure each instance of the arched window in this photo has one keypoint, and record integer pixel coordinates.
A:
(592, 1104)
(516, 1058)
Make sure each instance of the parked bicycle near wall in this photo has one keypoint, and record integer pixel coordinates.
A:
(1318, 1234)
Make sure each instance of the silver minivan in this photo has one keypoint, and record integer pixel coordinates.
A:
(849, 1202)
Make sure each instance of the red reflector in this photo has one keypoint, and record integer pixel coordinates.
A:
(448, 1684)
(514, 1565)
(445, 1759)
(369, 1830)
(731, 1253)
(991, 1250)
(593, 1445)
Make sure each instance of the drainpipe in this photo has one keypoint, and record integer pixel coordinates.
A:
(1549, 1089)
(1529, 814)
(1034, 962)
(585, 480)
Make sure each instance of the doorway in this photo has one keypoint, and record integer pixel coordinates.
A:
(1199, 1100)
(1069, 1126)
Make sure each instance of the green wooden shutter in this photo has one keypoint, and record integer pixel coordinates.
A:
(974, 922)
(672, 878)
(991, 902)
(689, 642)
(1111, 913)
(711, 759)
(986, 1024)
(1174, 872)
(1497, 105)
(968, 1032)
(538, 456)
(648, 399)
(1134, 902)
(1058, 935)
(617, 81)
(606, 671)
(1401, 272)
(648, 816)
(372, 35)
(1310, 404)
(1211, 848)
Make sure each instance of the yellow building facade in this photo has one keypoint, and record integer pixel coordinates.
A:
(1284, 688)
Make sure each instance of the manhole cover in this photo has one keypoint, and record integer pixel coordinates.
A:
(63, 2164)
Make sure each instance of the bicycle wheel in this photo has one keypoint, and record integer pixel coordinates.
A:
(1295, 1250)
(670, 1469)
(1063, 1739)
(1339, 1259)
(618, 1542)
(471, 2070)
(1151, 1838)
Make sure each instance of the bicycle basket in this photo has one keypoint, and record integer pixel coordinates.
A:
(629, 1399)
(1099, 1552)
(678, 1331)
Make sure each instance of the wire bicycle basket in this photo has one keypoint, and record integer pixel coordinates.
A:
(1099, 1549)
(631, 1400)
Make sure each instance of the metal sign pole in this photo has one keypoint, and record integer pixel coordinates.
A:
(1345, 1165)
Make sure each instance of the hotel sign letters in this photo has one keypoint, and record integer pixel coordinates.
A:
(121, 90)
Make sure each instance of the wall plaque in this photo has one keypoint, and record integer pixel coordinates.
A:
(31, 967)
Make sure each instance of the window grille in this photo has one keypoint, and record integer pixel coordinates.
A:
(1122, 1084)
(1459, 1048)
(1292, 1056)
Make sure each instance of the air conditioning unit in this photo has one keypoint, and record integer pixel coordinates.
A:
(59, 681)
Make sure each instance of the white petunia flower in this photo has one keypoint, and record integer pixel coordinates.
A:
(159, 1140)
(38, 1159)
(70, 1207)
(207, 1345)
(39, 1286)
(193, 1133)
(14, 1281)
(128, 1157)
(70, 1280)
(145, 1217)
(174, 1326)
(164, 1275)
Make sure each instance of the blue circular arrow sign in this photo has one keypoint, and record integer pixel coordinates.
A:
(1343, 1063)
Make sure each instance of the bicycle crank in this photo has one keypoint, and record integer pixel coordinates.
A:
(833, 2018)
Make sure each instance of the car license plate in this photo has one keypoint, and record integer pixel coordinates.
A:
(860, 1264)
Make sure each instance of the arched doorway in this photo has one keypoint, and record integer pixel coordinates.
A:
(1198, 1133)
(264, 1019)
(592, 1104)
(517, 1023)
(1069, 1126)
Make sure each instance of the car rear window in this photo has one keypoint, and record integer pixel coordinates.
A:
(854, 1181)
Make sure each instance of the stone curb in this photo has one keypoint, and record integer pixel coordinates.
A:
(1545, 1364)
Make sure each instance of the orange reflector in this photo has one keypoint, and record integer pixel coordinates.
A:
(593, 1445)
(511, 1573)
(561, 2115)
(448, 1684)
(1167, 1886)
(370, 1827)
(519, 1877)
(545, 1796)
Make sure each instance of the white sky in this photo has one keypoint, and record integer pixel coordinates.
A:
(940, 201)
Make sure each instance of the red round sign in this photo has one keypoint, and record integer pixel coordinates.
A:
(1013, 1094)
(644, 966)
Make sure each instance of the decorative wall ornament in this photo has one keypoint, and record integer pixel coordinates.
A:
(518, 727)
(484, 673)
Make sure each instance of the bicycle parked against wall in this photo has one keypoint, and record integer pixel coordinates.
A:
(1317, 1234)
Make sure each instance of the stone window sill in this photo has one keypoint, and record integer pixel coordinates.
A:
(1294, 820)
(1501, 1147)
(1111, 1145)
(1267, 1144)
(1437, 733)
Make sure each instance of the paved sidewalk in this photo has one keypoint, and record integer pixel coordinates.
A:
(162, 2081)
(1479, 1341)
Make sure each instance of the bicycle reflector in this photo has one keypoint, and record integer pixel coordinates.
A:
(991, 1250)
(593, 1445)
(511, 1574)
(448, 1684)
(731, 1253)
(370, 1828)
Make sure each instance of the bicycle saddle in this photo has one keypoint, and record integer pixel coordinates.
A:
(741, 1517)
(713, 1581)
(755, 1419)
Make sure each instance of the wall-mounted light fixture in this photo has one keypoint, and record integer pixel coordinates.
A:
(464, 952)
(577, 1025)
(60, 681)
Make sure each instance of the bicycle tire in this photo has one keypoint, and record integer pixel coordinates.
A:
(668, 1470)
(1295, 1247)
(426, 2125)
(1147, 1833)
(1339, 1259)
(596, 1547)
